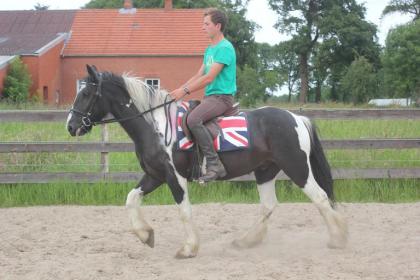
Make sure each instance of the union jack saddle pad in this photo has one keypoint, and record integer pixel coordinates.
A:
(233, 133)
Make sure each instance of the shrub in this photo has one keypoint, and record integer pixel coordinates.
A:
(17, 82)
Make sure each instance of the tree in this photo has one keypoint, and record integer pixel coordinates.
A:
(250, 88)
(359, 84)
(298, 18)
(404, 7)
(40, 7)
(401, 60)
(288, 66)
(331, 28)
(17, 82)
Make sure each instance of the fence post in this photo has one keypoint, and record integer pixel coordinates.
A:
(104, 155)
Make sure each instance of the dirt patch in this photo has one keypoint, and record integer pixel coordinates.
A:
(73, 242)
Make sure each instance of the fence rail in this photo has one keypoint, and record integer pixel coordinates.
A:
(104, 147)
(61, 115)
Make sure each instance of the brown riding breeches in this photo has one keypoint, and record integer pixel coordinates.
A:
(210, 107)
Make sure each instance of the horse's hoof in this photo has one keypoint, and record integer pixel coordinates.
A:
(240, 244)
(146, 236)
(337, 243)
(151, 240)
(186, 252)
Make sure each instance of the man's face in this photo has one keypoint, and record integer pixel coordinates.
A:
(210, 28)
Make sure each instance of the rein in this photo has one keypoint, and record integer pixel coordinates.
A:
(87, 122)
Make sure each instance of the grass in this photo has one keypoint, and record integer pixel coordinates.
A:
(65, 193)
(389, 191)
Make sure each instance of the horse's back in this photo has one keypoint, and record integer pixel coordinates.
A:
(271, 119)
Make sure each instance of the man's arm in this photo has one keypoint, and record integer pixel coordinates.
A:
(198, 83)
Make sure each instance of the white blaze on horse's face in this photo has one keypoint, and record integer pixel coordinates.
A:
(82, 85)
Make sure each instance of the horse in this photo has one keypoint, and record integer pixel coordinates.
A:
(280, 140)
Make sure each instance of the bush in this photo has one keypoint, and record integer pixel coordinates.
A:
(17, 82)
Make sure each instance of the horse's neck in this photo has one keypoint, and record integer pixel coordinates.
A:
(141, 131)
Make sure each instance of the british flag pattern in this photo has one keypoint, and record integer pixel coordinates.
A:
(234, 132)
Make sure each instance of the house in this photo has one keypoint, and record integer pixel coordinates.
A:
(162, 46)
(38, 38)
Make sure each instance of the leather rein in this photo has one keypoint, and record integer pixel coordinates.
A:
(88, 123)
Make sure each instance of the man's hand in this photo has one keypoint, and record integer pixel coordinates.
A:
(177, 94)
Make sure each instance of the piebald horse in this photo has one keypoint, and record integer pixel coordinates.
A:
(280, 140)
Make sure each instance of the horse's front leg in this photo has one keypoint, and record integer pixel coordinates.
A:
(140, 227)
(179, 189)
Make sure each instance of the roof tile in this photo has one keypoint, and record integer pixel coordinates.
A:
(146, 32)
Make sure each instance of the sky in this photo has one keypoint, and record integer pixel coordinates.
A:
(258, 11)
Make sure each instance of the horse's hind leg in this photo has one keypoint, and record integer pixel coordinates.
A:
(336, 224)
(266, 189)
(302, 176)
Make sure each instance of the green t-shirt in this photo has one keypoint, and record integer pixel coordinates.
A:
(225, 81)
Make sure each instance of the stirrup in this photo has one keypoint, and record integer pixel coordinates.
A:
(212, 176)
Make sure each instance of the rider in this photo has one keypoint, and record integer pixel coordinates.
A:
(218, 75)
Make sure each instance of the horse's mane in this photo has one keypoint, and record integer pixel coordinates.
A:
(144, 96)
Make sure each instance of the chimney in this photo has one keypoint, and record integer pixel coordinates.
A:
(168, 4)
(128, 4)
(128, 8)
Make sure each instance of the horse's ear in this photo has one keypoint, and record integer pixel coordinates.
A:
(93, 72)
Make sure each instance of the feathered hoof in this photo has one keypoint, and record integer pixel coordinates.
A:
(186, 252)
(245, 243)
(146, 236)
(338, 242)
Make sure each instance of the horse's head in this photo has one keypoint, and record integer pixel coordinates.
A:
(88, 107)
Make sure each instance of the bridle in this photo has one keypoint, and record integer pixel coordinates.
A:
(88, 123)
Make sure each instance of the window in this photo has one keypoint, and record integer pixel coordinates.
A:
(80, 85)
(153, 82)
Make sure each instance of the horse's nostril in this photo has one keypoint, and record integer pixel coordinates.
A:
(70, 128)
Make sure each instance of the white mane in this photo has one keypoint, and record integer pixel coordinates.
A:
(144, 96)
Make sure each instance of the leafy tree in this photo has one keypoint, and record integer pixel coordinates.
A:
(250, 89)
(288, 66)
(404, 7)
(339, 24)
(401, 60)
(40, 7)
(17, 82)
(359, 84)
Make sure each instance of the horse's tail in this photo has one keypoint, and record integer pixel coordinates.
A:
(319, 164)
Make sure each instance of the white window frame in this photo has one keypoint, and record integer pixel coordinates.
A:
(150, 82)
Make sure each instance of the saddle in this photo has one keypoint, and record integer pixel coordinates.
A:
(211, 125)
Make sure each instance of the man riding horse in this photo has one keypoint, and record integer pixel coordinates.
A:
(218, 75)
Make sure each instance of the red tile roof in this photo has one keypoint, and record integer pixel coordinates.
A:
(146, 32)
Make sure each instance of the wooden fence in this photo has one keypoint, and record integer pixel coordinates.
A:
(104, 147)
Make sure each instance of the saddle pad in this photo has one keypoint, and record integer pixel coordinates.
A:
(234, 134)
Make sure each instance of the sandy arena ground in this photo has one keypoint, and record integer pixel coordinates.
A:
(96, 243)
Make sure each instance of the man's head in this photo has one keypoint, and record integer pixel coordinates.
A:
(214, 22)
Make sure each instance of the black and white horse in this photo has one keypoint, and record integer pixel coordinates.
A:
(280, 140)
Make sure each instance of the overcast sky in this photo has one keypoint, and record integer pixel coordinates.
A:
(258, 11)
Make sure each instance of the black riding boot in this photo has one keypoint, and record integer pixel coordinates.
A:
(215, 168)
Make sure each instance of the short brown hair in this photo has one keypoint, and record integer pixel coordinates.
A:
(216, 17)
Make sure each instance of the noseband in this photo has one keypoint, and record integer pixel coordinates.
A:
(86, 121)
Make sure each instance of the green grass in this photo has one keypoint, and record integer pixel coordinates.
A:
(115, 194)
(389, 191)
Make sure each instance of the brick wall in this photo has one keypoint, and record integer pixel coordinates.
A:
(172, 71)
